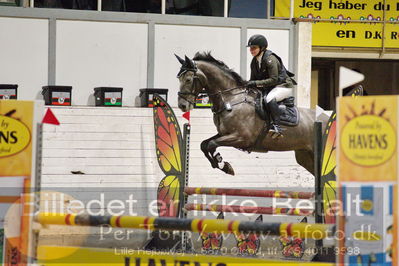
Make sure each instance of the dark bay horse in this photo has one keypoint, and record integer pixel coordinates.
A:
(235, 118)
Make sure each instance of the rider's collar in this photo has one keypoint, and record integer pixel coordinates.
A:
(260, 55)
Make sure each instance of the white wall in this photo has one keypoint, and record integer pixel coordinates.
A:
(224, 43)
(91, 54)
(24, 55)
(101, 54)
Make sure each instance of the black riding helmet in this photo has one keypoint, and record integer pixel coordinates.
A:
(258, 40)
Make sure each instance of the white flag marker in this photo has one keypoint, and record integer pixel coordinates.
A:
(319, 111)
(348, 77)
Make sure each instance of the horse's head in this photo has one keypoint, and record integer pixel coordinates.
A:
(192, 82)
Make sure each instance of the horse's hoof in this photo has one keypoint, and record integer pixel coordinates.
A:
(228, 169)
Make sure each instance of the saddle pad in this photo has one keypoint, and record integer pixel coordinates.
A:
(289, 116)
(289, 113)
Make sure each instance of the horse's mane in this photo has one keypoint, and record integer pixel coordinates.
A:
(207, 57)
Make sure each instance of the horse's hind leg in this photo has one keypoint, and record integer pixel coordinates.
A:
(306, 159)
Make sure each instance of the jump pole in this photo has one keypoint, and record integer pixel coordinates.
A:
(248, 209)
(302, 230)
(249, 193)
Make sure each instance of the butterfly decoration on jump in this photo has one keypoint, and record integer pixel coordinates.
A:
(212, 242)
(249, 244)
(293, 247)
(329, 163)
(169, 146)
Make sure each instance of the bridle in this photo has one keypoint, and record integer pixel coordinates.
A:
(193, 91)
(184, 94)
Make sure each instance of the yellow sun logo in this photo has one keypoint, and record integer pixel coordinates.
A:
(368, 138)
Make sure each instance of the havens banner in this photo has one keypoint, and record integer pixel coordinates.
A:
(345, 33)
(367, 147)
(16, 128)
(18, 121)
(368, 138)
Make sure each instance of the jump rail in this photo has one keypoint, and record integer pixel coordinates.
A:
(248, 193)
(247, 209)
(302, 230)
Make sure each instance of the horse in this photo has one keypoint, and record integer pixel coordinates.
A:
(234, 115)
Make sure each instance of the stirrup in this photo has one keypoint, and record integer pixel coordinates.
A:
(275, 131)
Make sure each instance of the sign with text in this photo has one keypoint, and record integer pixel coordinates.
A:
(368, 177)
(345, 33)
(55, 255)
(368, 138)
(18, 121)
(15, 138)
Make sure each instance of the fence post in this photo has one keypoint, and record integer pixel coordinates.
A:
(318, 149)
(184, 197)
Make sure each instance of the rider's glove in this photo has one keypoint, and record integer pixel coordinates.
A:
(251, 84)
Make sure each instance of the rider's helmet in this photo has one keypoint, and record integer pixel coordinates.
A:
(258, 40)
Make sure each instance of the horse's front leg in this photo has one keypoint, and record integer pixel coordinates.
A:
(210, 145)
(208, 154)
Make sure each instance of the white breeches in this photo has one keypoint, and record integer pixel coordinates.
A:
(279, 93)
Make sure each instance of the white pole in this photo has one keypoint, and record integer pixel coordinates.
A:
(268, 9)
(292, 9)
(163, 7)
(226, 8)
(32, 3)
(99, 5)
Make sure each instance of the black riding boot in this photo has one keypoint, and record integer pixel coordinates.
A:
(275, 128)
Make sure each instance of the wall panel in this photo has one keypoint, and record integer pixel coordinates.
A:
(24, 55)
(97, 54)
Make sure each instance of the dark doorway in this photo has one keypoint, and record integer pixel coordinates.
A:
(381, 77)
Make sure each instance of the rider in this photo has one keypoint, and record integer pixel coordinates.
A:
(269, 75)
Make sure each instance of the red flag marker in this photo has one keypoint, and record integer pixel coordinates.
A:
(186, 115)
(49, 118)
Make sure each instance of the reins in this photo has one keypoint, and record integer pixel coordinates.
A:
(227, 106)
(228, 90)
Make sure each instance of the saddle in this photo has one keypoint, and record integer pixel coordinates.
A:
(289, 113)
